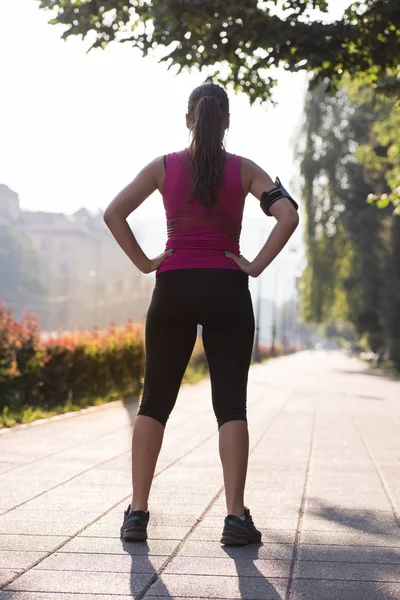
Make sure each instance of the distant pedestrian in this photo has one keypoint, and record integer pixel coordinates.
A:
(201, 278)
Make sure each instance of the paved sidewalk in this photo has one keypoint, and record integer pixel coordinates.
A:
(323, 485)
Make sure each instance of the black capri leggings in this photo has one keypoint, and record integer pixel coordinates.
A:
(220, 301)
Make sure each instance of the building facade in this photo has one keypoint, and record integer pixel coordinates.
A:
(89, 282)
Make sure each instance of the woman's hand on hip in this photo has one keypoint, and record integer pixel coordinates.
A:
(152, 264)
(246, 266)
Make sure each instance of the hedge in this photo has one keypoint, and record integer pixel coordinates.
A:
(67, 368)
(40, 375)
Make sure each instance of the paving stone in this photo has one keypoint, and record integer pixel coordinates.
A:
(347, 571)
(278, 510)
(261, 522)
(114, 563)
(359, 554)
(51, 596)
(19, 560)
(28, 527)
(155, 519)
(348, 503)
(271, 535)
(153, 532)
(339, 590)
(49, 516)
(193, 512)
(194, 488)
(242, 567)
(89, 545)
(80, 582)
(348, 522)
(382, 526)
(212, 549)
(30, 542)
(392, 538)
(7, 574)
(257, 588)
(182, 499)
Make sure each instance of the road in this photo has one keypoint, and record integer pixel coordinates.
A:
(323, 485)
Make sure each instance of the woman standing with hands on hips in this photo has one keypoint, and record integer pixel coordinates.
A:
(201, 278)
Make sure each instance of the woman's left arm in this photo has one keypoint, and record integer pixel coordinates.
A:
(128, 200)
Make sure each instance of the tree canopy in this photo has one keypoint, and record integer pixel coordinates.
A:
(380, 153)
(353, 270)
(241, 41)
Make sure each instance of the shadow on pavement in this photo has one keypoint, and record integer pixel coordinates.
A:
(368, 370)
(366, 521)
(143, 572)
(373, 561)
(365, 397)
(249, 577)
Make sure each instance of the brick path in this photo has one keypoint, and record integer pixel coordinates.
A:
(323, 485)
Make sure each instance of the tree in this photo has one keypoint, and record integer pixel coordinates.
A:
(380, 155)
(243, 40)
(353, 270)
(20, 284)
(344, 278)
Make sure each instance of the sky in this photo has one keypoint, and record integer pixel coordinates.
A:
(76, 127)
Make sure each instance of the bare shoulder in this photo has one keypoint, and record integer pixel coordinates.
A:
(254, 179)
(250, 167)
(157, 170)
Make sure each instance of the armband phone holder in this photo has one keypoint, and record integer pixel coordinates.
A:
(278, 192)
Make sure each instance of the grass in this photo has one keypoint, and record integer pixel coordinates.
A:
(27, 414)
(195, 374)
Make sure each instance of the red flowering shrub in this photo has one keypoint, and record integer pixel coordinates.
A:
(69, 368)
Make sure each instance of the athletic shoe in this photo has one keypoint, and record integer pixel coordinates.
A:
(134, 527)
(239, 533)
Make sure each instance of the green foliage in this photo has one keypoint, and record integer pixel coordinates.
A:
(40, 377)
(391, 295)
(69, 370)
(330, 257)
(241, 41)
(197, 368)
(353, 250)
(344, 277)
(380, 154)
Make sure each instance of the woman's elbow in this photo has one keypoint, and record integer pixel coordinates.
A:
(295, 220)
(291, 220)
(109, 216)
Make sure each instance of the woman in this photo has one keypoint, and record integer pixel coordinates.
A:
(201, 278)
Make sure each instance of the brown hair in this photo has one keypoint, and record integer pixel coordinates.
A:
(208, 114)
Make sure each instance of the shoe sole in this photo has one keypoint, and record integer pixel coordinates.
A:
(234, 541)
(133, 537)
(237, 540)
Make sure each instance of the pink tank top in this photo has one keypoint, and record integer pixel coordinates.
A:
(198, 234)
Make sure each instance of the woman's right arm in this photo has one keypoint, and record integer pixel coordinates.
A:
(256, 181)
